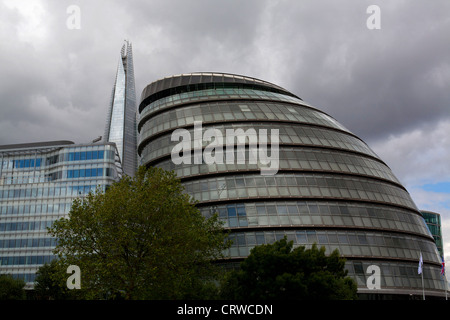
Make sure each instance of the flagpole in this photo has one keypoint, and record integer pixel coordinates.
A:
(444, 279)
(420, 270)
(446, 284)
(423, 288)
(444, 276)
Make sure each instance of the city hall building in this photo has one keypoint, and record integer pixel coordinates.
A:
(287, 168)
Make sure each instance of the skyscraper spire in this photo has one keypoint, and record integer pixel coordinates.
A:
(121, 121)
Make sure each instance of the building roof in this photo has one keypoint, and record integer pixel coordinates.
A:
(196, 78)
(32, 145)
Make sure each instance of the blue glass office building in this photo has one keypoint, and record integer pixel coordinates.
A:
(433, 221)
(121, 120)
(38, 182)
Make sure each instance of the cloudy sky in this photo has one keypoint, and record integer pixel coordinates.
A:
(390, 85)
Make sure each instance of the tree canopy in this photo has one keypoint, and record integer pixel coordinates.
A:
(50, 283)
(143, 238)
(11, 288)
(277, 271)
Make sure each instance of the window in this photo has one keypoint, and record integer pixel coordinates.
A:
(231, 211)
(241, 210)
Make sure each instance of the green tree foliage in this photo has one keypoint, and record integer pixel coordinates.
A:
(141, 239)
(11, 289)
(50, 283)
(277, 271)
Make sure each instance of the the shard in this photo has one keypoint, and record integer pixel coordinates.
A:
(121, 120)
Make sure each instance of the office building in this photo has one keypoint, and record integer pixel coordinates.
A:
(313, 180)
(38, 182)
(433, 221)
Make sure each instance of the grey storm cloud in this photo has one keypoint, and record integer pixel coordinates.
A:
(56, 82)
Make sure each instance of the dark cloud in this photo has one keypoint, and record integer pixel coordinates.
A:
(376, 82)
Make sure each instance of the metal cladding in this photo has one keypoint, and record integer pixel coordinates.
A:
(328, 188)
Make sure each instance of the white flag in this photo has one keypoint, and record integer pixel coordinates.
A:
(419, 271)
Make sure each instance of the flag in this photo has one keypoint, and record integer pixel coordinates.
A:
(419, 271)
(443, 266)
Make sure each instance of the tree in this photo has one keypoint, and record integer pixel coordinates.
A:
(50, 283)
(277, 271)
(11, 288)
(143, 238)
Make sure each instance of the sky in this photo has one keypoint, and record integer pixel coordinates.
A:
(384, 73)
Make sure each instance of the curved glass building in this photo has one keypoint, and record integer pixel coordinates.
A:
(273, 165)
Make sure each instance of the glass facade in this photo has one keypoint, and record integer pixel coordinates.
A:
(330, 187)
(433, 221)
(121, 121)
(38, 182)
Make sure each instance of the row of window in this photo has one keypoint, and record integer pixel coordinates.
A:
(296, 179)
(23, 177)
(79, 173)
(435, 230)
(47, 191)
(349, 244)
(25, 226)
(31, 208)
(26, 163)
(392, 274)
(400, 275)
(288, 134)
(8, 179)
(62, 157)
(432, 218)
(87, 173)
(27, 243)
(361, 241)
(307, 213)
(216, 94)
(26, 260)
(202, 81)
(346, 221)
(76, 173)
(232, 111)
(297, 185)
(294, 159)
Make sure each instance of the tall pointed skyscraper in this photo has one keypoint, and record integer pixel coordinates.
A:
(121, 121)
